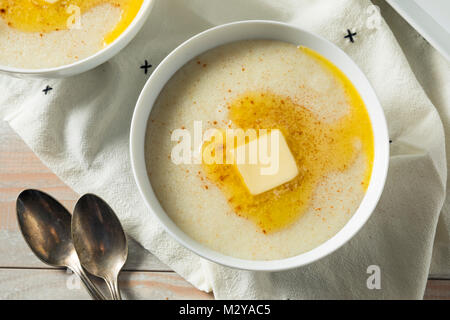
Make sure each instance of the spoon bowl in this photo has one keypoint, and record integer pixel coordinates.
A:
(46, 226)
(99, 240)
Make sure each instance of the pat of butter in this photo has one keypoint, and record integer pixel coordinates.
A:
(274, 166)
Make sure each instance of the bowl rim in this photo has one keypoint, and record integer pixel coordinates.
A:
(356, 222)
(98, 57)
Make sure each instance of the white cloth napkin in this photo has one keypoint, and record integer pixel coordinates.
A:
(80, 130)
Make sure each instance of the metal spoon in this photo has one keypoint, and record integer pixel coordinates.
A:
(45, 225)
(99, 240)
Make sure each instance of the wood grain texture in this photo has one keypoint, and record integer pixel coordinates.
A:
(23, 276)
(48, 284)
(438, 290)
(21, 169)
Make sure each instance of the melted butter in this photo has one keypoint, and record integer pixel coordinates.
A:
(319, 148)
(42, 16)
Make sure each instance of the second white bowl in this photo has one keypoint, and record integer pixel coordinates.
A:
(92, 61)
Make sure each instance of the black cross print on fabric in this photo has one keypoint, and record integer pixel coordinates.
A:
(47, 89)
(146, 66)
(350, 35)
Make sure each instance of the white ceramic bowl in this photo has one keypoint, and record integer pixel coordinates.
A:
(259, 30)
(92, 61)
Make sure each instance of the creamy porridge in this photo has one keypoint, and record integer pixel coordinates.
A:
(49, 33)
(262, 84)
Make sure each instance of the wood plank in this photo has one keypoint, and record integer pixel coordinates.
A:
(437, 290)
(21, 169)
(58, 284)
(11, 241)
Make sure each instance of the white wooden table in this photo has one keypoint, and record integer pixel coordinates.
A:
(23, 276)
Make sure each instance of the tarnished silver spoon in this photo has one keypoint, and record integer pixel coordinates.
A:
(46, 226)
(99, 240)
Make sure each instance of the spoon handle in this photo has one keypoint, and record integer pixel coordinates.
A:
(113, 286)
(91, 287)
